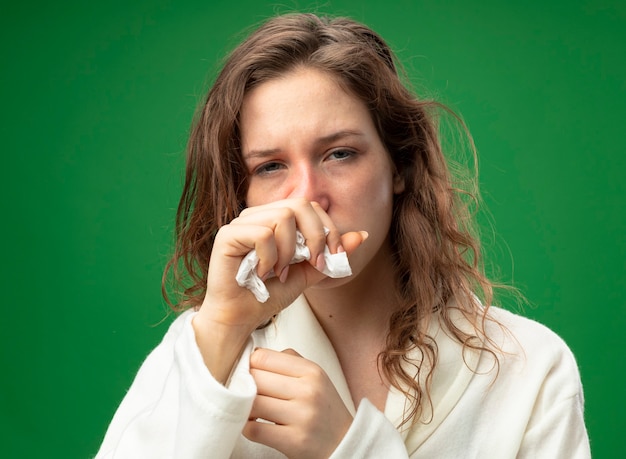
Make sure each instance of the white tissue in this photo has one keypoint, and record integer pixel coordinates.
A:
(337, 266)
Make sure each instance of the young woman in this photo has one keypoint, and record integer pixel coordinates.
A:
(308, 141)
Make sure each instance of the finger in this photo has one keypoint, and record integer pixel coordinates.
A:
(311, 226)
(333, 238)
(310, 219)
(272, 435)
(272, 409)
(259, 238)
(282, 222)
(235, 242)
(286, 242)
(280, 363)
(304, 275)
(274, 384)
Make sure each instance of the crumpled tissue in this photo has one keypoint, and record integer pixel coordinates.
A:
(337, 266)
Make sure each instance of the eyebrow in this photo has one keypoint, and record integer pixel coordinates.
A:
(338, 136)
(330, 138)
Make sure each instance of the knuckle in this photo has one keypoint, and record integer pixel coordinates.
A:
(305, 438)
(244, 212)
(316, 378)
(219, 235)
(265, 235)
(285, 213)
(316, 372)
(311, 394)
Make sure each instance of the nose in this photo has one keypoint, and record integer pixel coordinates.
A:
(309, 182)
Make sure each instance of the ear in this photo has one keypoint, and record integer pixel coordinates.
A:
(398, 183)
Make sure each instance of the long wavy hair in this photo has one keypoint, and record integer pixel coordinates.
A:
(436, 255)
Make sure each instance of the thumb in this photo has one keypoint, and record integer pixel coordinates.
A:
(290, 351)
(352, 240)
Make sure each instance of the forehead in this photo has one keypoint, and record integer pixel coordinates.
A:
(304, 102)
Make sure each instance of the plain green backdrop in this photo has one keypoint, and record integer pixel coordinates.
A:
(97, 99)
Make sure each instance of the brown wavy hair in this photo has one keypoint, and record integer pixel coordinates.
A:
(436, 256)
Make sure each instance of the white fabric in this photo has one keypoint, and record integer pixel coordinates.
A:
(534, 408)
(336, 265)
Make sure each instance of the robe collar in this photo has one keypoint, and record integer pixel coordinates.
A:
(297, 328)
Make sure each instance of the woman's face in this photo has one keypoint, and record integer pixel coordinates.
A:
(302, 135)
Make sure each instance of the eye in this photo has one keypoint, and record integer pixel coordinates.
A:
(268, 168)
(341, 154)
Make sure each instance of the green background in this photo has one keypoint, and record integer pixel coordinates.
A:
(97, 99)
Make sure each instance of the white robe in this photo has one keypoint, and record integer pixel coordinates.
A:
(533, 408)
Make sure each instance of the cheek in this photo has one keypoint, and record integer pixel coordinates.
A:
(252, 196)
(369, 202)
(258, 195)
(376, 190)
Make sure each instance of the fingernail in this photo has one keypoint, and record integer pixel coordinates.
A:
(320, 263)
(340, 249)
(364, 235)
(283, 274)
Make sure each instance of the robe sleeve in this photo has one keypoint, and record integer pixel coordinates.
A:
(175, 408)
(556, 428)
